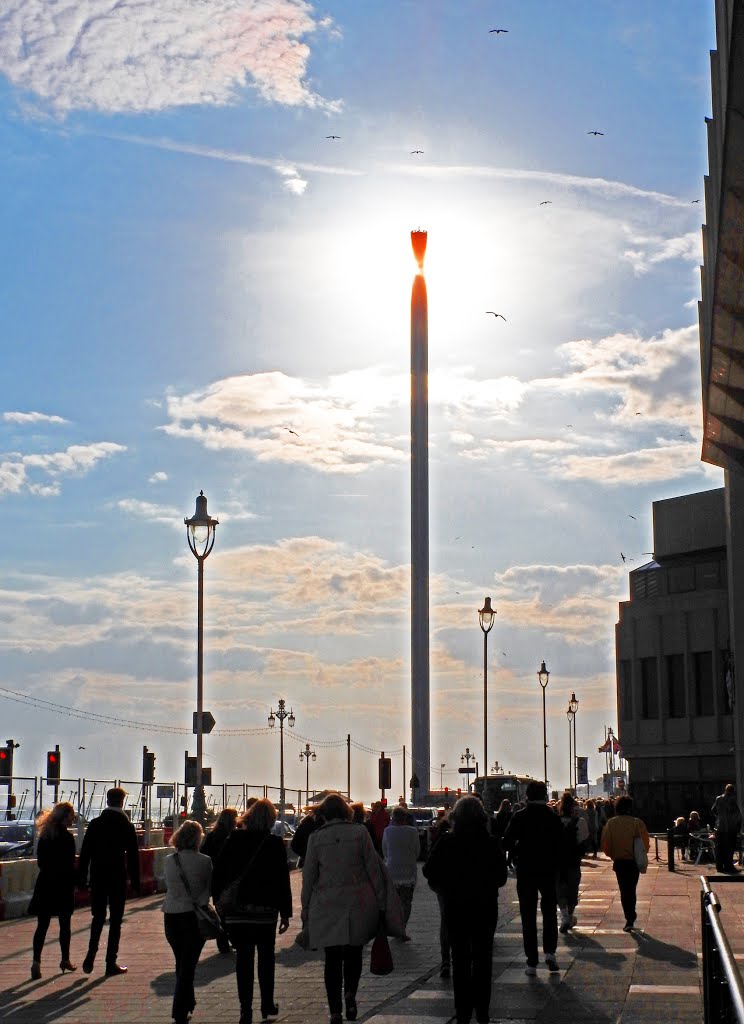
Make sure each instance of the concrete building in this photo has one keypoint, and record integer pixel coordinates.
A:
(721, 314)
(674, 685)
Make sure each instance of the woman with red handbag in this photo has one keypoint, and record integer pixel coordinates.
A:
(343, 897)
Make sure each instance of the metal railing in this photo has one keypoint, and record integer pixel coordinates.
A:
(723, 990)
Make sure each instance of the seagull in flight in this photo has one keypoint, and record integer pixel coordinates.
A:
(81, 748)
(696, 200)
(416, 151)
(623, 556)
(546, 202)
(595, 133)
(491, 31)
(289, 430)
(333, 136)
(631, 517)
(497, 315)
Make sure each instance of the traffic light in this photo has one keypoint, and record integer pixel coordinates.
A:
(148, 765)
(459, 793)
(6, 763)
(385, 774)
(53, 767)
(384, 801)
(189, 771)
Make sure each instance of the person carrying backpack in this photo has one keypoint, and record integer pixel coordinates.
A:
(575, 843)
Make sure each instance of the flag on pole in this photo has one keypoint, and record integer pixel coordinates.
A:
(605, 748)
(616, 748)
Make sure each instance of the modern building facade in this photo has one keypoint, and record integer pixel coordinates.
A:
(673, 649)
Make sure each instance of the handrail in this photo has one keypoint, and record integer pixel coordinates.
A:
(723, 989)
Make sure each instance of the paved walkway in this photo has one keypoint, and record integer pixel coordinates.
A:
(607, 976)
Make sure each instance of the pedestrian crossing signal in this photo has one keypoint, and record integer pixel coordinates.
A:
(6, 763)
(53, 767)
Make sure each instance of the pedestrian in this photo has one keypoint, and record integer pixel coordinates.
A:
(212, 844)
(343, 899)
(188, 875)
(466, 867)
(400, 848)
(441, 826)
(618, 837)
(110, 851)
(305, 829)
(499, 824)
(253, 866)
(591, 820)
(378, 821)
(727, 823)
(534, 837)
(575, 840)
(681, 836)
(54, 892)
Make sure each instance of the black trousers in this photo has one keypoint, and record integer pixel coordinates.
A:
(725, 845)
(343, 969)
(471, 940)
(182, 933)
(529, 885)
(627, 879)
(444, 939)
(65, 932)
(111, 895)
(248, 940)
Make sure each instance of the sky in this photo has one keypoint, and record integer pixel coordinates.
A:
(202, 290)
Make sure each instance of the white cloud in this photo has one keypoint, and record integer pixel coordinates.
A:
(654, 250)
(32, 417)
(16, 470)
(149, 510)
(158, 478)
(134, 57)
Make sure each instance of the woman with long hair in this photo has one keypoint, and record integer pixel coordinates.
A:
(467, 866)
(212, 844)
(54, 892)
(575, 840)
(343, 895)
(257, 861)
(188, 874)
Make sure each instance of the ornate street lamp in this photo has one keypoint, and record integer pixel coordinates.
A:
(200, 534)
(486, 615)
(574, 706)
(543, 676)
(466, 758)
(281, 714)
(570, 716)
(305, 756)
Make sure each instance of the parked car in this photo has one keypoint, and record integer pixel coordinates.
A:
(16, 840)
(423, 819)
(286, 831)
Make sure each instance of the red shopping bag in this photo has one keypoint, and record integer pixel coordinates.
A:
(381, 959)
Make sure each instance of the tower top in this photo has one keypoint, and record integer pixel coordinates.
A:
(418, 241)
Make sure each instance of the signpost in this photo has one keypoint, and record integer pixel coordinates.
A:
(208, 723)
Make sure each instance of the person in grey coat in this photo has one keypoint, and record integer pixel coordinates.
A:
(343, 896)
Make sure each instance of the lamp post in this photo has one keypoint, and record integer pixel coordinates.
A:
(200, 534)
(543, 676)
(305, 756)
(441, 775)
(281, 714)
(570, 714)
(466, 758)
(574, 705)
(486, 615)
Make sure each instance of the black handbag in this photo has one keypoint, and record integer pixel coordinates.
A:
(207, 918)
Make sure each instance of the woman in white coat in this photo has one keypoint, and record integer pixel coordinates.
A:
(343, 896)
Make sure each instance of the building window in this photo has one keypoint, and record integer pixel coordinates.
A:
(649, 689)
(675, 678)
(702, 670)
(626, 691)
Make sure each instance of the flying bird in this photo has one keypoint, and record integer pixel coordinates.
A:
(569, 425)
(696, 200)
(595, 133)
(292, 431)
(631, 517)
(497, 30)
(416, 151)
(497, 315)
(81, 748)
(623, 556)
(546, 202)
(333, 136)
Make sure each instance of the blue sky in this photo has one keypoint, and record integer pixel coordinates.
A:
(190, 267)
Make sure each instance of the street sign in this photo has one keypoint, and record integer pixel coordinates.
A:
(467, 771)
(384, 773)
(208, 723)
(164, 793)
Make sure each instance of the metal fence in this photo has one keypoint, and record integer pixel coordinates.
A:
(723, 991)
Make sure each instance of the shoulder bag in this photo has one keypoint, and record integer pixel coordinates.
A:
(210, 926)
(234, 911)
(639, 853)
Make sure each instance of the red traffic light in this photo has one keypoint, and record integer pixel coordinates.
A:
(52, 759)
(3, 755)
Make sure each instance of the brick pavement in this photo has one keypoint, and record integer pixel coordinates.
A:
(607, 976)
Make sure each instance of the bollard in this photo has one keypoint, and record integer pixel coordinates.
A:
(670, 849)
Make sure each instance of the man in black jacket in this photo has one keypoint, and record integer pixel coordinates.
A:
(534, 838)
(110, 850)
